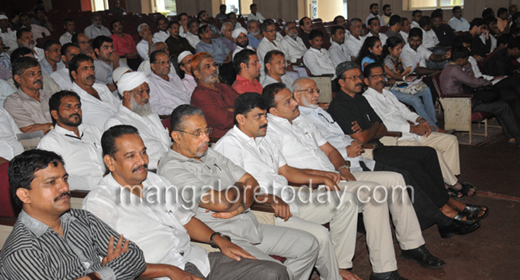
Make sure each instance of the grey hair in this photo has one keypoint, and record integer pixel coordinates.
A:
(224, 25)
(154, 46)
(354, 20)
(252, 21)
(182, 111)
(296, 84)
(140, 27)
(287, 25)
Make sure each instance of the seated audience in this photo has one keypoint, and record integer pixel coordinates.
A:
(445, 33)
(78, 144)
(241, 40)
(247, 67)
(174, 256)
(97, 102)
(213, 98)
(36, 30)
(135, 110)
(503, 20)
(177, 44)
(96, 29)
(219, 51)
(184, 61)
(222, 15)
(500, 63)
(355, 40)
(394, 27)
(374, 13)
(416, 16)
(370, 52)
(269, 42)
(8, 34)
(25, 39)
(124, 45)
(29, 105)
(69, 26)
(387, 14)
(338, 50)
(107, 60)
(414, 52)
(82, 41)
(406, 25)
(292, 44)
(48, 231)
(478, 47)
(183, 29)
(193, 33)
(9, 144)
(316, 58)
(52, 61)
(117, 9)
(232, 17)
(48, 83)
(147, 40)
(275, 68)
(306, 28)
(255, 35)
(430, 39)
(203, 19)
(457, 22)
(227, 30)
(62, 76)
(491, 25)
(163, 33)
(145, 65)
(255, 15)
(41, 19)
(192, 165)
(166, 87)
(373, 30)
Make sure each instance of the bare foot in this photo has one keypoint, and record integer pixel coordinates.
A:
(348, 275)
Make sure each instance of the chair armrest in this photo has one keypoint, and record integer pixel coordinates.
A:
(371, 146)
(324, 75)
(79, 193)
(458, 96)
(7, 221)
(394, 134)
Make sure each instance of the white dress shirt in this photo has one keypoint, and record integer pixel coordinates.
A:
(294, 49)
(62, 78)
(39, 32)
(189, 82)
(96, 112)
(408, 56)
(265, 46)
(39, 53)
(239, 48)
(167, 95)
(5, 90)
(83, 156)
(476, 69)
(258, 17)
(331, 130)
(147, 70)
(459, 24)
(66, 38)
(299, 145)
(161, 36)
(318, 62)
(142, 48)
(382, 37)
(354, 45)
(92, 32)
(415, 24)
(405, 36)
(182, 33)
(430, 39)
(286, 79)
(339, 53)
(192, 39)
(155, 136)
(395, 115)
(9, 144)
(9, 39)
(493, 42)
(260, 159)
(161, 233)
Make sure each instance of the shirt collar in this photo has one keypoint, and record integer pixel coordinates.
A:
(307, 111)
(22, 95)
(246, 138)
(244, 80)
(64, 131)
(37, 227)
(181, 158)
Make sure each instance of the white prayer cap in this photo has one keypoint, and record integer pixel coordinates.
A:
(131, 80)
(3, 17)
(182, 56)
(118, 72)
(237, 32)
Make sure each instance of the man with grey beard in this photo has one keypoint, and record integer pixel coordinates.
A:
(292, 45)
(25, 38)
(135, 110)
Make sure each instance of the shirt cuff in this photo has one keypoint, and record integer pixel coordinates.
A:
(106, 273)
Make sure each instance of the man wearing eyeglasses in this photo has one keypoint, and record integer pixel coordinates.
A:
(220, 194)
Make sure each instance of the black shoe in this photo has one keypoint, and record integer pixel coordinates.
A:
(394, 275)
(423, 257)
(458, 227)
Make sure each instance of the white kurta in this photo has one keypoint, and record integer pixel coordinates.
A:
(96, 112)
(167, 95)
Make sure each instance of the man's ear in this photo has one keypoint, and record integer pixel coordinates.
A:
(18, 78)
(54, 114)
(109, 162)
(273, 111)
(127, 95)
(297, 96)
(196, 73)
(240, 119)
(365, 80)
(96, 51)
(74, 74)
(341, 82)
(23, 195)
(176, 136)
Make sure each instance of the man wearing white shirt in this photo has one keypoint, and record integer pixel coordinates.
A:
(183, 21)
(145, 65)
(254, 15)
(430, 39)
(25, 38)
(52, 61)
(355, 41)
(247, 147)
(373, 28)
(9, 144)
(292, 44)
(98, 103)
(241, 39)
(62, 76)
(163, 33)
(338, 51)
(136, 111)
(69, 26)
(7, 34)
(416, 130)
(78, 144)
(416, 17)
(275, 67)
(269, 42)
(184, 63)
(414, 52)
(374, 13)
(457, 22)
(232, 17)
(174, 257)
(316, 58)
(96, 29)
(193, 31)
(406, 25)
(144, 46)
(303, 146)
(166, 87)
(36, 30)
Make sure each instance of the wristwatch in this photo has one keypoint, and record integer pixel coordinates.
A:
(93, 276)
(212, 243)
(346, 165)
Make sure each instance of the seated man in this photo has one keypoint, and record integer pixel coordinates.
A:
(82, 41)
(374, 13)
(48, 83)
(457, 22)
(374, 24)
(176, 43)
(227, 31)
(78, 144)
(406, 25)
(96, 29)
(52, 61)
(414, 52)
(416, 16)
(211, 179)
(292, 44)
(97, 102)
(317, 59)
(36, 30)
(338, 51)
(174, 257)
(147, 40)
(255, 15)
(192, 34)
(255, 35)
(220, 52)
(8, 33)
(48, 231)
(302, 146)
(9, 144)
(269, 42)
(124, 45)
(387, 14)
(306, 28)
(167, 88)
(444, 32)
(136, 111)
(29, 105)
(215, 99)
(394, 27)
(62, 76)
(240, 38)
(107, 60)
(184, 61)
(145, 65)
(163, 33)
(203, 18)
(355, 41)
(275, 67)
(69, 26)
(477, 28)
(232, 17)
(247, 67)
(453, 80)
(26, 39)
(222, 15)
(430, 39)
(500, 63)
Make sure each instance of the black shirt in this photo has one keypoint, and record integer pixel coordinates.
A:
(499, 64)
(345, 109)
(445, 34)
(479, 48)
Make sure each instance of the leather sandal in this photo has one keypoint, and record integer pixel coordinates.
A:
(472, 212)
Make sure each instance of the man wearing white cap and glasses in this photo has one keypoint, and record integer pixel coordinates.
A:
(135, 110)
(184, 60)
(240, 38)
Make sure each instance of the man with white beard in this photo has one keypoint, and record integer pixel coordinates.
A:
(135, 110)
(25, 38)
(292, 45)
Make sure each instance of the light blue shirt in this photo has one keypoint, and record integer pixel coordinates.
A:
(217, 49)
(253, 41)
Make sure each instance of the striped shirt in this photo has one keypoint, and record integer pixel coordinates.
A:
(34, 251)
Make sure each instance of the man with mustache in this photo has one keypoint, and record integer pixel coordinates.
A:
(173, 257)
(292, 44)
(163, 33)
(124, 45)
(215, 99)
(167, 87)
(275, 68)
(52, 61)
(98, 103)
(135, 110)
(62, 76)
(248, 72)
(192, 34)
(25, 38)
(176, 43)
(29, 106)
(49, 232)
(184, 61)
(78, 144)
(241, 39)
(254, 36)
(82, 41)
(107, 60)
(96, 29)
(374, 13)
(36, 30)
(338, 51)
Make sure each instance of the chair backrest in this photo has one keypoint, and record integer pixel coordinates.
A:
(6, 207)
(436, 81)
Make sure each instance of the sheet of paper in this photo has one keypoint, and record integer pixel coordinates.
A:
(415, 63)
